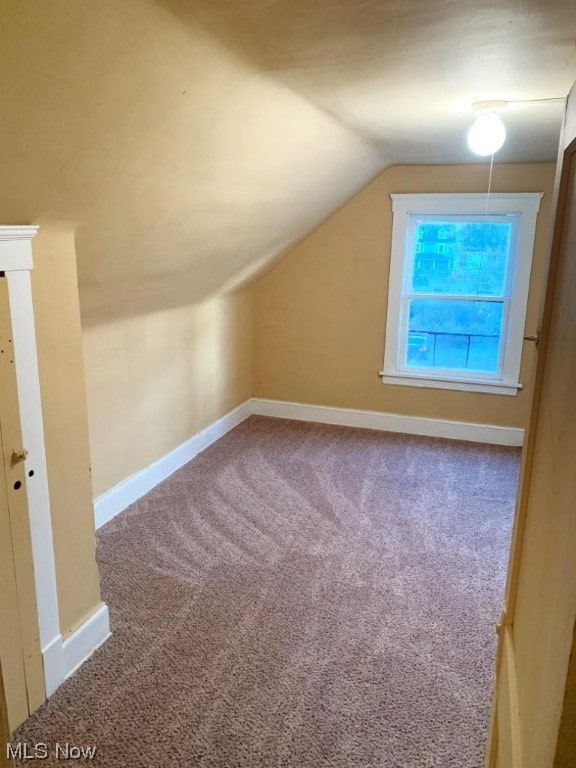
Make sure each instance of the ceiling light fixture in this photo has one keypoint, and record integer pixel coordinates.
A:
(488, 133)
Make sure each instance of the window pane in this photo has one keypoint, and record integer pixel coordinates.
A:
(467, 258)
(452, 334)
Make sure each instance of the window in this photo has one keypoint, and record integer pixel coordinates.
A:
(459, 279)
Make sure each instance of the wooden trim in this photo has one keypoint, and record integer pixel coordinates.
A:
(19, 232)
(32, 428)
(492, 740)
(16, 262)
(21, 633)
(389, 422)
(508, 710)
(559, 212)
(484, 386)
(505, 711)
(89, 636)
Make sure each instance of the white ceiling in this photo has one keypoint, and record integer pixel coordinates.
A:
(404, 73)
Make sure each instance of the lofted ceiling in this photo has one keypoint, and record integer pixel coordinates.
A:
(189, 142)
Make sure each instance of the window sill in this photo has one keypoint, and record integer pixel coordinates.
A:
(484, 386)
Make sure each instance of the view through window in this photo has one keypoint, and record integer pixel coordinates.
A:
(457, 297)
(458, 289)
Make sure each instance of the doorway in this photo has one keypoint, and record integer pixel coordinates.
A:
(30, 640)
(19, 634)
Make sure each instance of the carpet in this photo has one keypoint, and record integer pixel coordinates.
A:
(299, 595)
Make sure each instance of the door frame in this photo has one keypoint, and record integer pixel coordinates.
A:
(16, 262)
(505, 661)
(565, 174)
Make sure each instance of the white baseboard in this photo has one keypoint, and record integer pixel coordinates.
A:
(61, 658)
(114, 501)
(82, 643)
(53, 662)
(390, 422)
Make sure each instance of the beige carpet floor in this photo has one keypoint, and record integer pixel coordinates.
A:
(299, 595)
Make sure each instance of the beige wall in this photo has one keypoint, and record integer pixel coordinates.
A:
(57, 316)
(157, 379)
(319, 313)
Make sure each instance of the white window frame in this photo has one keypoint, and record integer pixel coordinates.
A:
(520, 207)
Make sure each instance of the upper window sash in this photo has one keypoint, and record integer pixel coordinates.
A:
(411, 254)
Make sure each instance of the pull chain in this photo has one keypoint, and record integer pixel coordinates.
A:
(489, 185)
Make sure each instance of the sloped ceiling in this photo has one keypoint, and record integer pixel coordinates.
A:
(404, 73)
(188, 142)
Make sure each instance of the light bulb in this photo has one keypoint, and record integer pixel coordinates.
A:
(487, 134)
